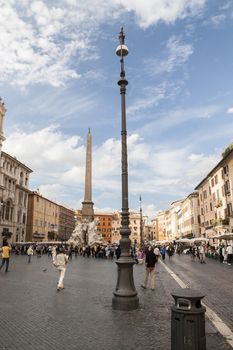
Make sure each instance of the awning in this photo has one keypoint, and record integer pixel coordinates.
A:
(200, 239)
(226, 236)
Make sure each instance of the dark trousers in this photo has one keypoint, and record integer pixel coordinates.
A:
(229, 258)
(5, 260)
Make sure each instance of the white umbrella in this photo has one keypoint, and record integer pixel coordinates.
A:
(200, 239)
(184, 240)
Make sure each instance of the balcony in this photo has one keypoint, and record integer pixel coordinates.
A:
(218, 204)
(221, 222)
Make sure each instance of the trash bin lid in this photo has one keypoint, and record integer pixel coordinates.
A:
(187, 293)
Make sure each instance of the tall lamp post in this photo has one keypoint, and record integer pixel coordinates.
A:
(141, 228)
(125, 295)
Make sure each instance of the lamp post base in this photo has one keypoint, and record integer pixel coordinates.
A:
(125, 296)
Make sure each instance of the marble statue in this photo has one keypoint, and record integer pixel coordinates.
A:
(86, 232)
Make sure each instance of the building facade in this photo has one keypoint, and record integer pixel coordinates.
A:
(161, 226)
(105, 225)
(14, 189)
(14, 179)
(216, 199)
(66, 223)
(43, 218)
(188, 217)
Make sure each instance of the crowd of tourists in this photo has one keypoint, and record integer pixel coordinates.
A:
(149, 254)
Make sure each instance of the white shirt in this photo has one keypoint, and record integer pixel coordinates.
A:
(156, 251)
(229, 249)
(61, 260)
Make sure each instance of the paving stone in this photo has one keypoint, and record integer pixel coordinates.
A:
(35, 316)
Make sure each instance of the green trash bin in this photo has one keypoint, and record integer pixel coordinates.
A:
(188, 320)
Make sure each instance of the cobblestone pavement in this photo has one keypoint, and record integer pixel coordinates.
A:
(214, 279)
(34, 316)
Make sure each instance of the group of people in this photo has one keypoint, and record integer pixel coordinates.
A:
(225, 254)
(60, 255)
(198, 251)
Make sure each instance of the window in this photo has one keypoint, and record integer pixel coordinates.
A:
(216, 179)
(209, 190)
(229, 209)
(225, 170)
(205, 195)
(212, 182)
(211, 207)
(223, 191)
(227, 187)
(21, 179)
(20, 197)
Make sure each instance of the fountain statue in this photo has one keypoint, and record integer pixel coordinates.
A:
(86, 232)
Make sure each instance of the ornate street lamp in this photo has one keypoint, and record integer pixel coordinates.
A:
(125, 295)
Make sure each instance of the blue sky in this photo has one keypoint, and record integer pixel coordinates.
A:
(58, 77)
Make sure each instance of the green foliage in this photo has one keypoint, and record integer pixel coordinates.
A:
(227, 150)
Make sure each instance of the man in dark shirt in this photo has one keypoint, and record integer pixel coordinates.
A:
(150, 261)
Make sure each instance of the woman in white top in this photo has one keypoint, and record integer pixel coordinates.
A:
(61, 262)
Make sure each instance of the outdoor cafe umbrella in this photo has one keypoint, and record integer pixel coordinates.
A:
(200, 239)
(184, 240)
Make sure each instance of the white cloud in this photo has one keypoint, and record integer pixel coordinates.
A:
(41, 40)
(45, 150)
(53, 191)
(177, 117)
(218, 19)
(150, 12)
(177, 53)
(151, 97)
(58, 163)
(230, 110)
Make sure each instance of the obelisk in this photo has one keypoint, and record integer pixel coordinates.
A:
(87, 204)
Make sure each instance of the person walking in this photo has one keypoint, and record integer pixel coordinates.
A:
(224, 253)
(29, 253)
(170, 251)
(150, 261)
(60, 263)
(202, 253)
(229, 254)
(5, 256)
(163, 252)
(157, 253)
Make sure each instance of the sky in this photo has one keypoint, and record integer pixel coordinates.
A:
(58, 77)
